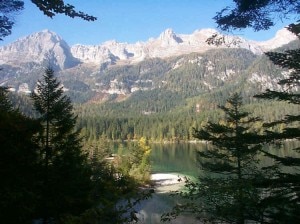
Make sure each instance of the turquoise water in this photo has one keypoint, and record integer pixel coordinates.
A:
(175, 158)
(181, 158)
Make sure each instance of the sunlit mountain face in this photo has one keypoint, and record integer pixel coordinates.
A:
(182, 64)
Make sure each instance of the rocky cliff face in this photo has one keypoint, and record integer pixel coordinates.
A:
(170, 44)
(48, 47)
(282, 37)
(142, 66)
(42, 47)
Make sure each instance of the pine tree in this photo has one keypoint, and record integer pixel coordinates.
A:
(285, 188)
(226, 189)
(66, 174)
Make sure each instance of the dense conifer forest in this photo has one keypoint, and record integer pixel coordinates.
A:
(175, 101)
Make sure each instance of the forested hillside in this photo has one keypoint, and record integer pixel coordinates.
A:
(163, 99)
(177, 95)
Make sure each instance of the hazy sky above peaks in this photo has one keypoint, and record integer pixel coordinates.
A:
(127, 20)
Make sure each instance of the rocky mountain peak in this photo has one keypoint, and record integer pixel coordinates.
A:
(168, 37)
(282, 37)
(167, 34)
(111, 43)
(45, 46)
(46, 35)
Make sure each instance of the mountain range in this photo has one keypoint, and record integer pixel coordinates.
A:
(95, 73)
(48, 46)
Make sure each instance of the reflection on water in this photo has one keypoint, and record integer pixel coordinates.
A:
(181, 158)
(170, 157)
(175, 158)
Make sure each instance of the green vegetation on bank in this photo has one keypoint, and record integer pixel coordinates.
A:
(50, 177)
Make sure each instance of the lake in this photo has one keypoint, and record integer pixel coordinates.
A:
(181, 158)
(175, 158)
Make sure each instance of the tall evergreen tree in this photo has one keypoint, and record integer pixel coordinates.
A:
(226, 190)
(286, 182)
(18, 164)
(66, 174)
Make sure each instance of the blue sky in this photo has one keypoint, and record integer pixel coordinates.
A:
(127, 20)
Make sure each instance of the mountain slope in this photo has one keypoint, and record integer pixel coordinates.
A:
(161, 98)
(42, 47)
(48, 47)
(169, 44)
(114, 72)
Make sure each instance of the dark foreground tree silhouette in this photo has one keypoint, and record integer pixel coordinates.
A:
(65, 173)
(50, 8)
(7, 10)
(45, 175)
(286, 182)
(256, 14)
(259, 15)
(227, 188)
(115, 193)
(18, 164)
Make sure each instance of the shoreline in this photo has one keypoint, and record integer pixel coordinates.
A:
(167, 182)
(151, 210)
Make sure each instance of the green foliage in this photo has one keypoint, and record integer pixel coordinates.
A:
(136, 161)
(170, 125)
(258, 14)
(48, 177)
(196, 84)
(6, 16)
(114, 194)
(285, 200)
(50, 8)
(228, 188)
(23, 103)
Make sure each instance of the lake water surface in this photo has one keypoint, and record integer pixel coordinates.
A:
(181, 159)
(175, 158)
